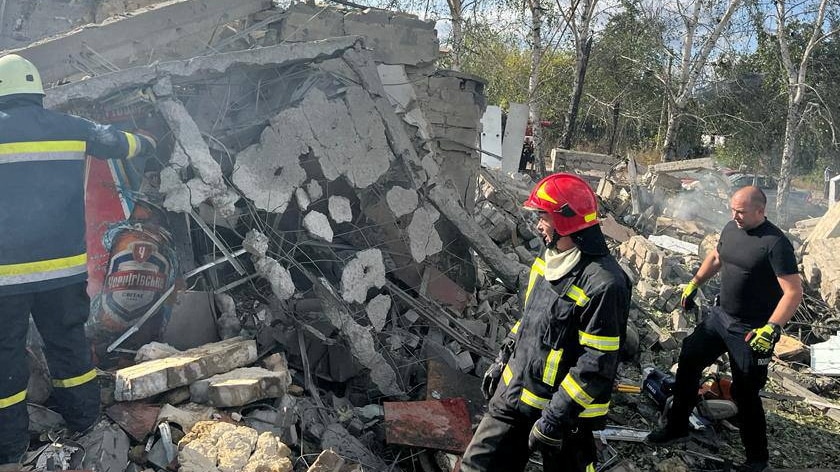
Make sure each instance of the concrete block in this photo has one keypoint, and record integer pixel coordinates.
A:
(679, 321)
(218, 446)
(424, 239)
(465, 361)
(828, 227)
(318, 225)
(688, 164)
(665, 340)
(150, 378)
(377, 311)
(363, 272)
(650, 271)
(340, 210)
(514, 136)
(401, 201)
(240, 387)
(825, 357)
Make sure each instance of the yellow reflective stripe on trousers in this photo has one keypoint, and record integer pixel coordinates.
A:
(590, 467)
(595, 409)
(552, 365)
(515, 328)
(601, 343)
(537, 270)
(13, 400)
(26, 272)
(578, 295)
(42, 151)
(132, 144)
(75, 381)
(575, 391)
(530, 399)
(507, 375)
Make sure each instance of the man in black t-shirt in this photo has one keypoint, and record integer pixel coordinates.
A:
(760, 290)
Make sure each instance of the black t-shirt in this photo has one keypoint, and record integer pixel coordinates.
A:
(751, 260)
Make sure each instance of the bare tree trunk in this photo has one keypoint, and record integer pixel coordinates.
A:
(616, 112)
(789, 152)
(457, 14)
(577, 91)
(797, 74)
(533, 84)
(669, 145)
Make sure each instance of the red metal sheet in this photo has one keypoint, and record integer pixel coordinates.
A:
(137, 419)
(433, 424)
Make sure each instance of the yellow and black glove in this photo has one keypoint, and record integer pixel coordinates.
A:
(763, 340)
(688, 294)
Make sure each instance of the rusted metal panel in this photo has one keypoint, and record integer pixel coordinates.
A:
(433, 424)
(136, 419)
(446, 382)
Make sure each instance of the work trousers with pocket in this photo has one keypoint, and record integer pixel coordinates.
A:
(500, 445)
(719, 333)
(60, 316)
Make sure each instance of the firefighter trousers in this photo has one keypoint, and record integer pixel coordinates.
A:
(60, 316)
(717, 334)
(500, 445)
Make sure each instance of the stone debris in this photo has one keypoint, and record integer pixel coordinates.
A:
(240, 387)
(152, 377)
(325, 143)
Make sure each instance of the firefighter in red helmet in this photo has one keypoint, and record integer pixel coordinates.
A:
(550, 385)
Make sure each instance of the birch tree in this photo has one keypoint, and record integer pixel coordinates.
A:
(698, 42)
(534, 80)
(797, 88)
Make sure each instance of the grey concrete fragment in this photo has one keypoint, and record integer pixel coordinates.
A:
(255, 243)
(340, 210)
(423, 237)
(377, 310)
(269, 172)
(278, 276)
(313, 188)
(240, 387)
(318, 225)
(302, 198)
(150, 378)
(401, 201)
(285, 54)
(363, 272)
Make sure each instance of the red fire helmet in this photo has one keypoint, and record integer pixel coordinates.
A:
(568, 199)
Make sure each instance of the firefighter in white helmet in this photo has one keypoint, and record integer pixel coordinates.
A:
(43, 261)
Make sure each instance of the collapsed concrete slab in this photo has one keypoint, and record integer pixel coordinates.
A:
(177, 28)
(150, 378)
(240, 387)
(821, 268)
(281, 55)
(579, 161)
(828, 226)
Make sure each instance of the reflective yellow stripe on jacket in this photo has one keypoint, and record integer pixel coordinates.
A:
(578, 295)
(537, 270)
(42, 151)
(13, 400)
(552, 365)
(583, 399)
(601, 343)
(38, 271)
(75, 381)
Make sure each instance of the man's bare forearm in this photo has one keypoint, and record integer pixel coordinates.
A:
(708, 269)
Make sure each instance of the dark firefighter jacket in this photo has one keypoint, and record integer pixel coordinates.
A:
(566, 349)
(42, 181)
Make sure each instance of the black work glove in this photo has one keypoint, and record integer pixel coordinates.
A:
(545, 435)
(491, 379)
(763, 340)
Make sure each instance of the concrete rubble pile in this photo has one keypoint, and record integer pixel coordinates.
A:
(349, 262)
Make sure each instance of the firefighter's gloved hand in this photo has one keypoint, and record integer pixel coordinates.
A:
(545, 435)
(688, 294)
(491, 379)
(763, 340)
